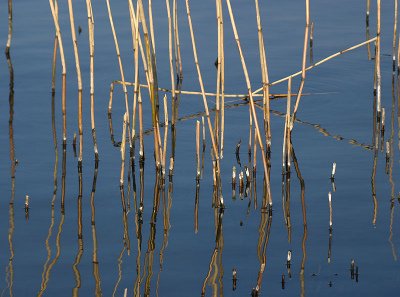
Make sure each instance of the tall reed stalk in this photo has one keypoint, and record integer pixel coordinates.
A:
(164, 155)
(64, 71)
(265, 79)
(151, 78)
(79, 76)
(171, 62)
(53, 81)
(394, 35)
(91, 48)
(378, 60)
(178, 60)
(121, 69)
(286, 134)
(251, 103)
(303, 71)
(123, 142)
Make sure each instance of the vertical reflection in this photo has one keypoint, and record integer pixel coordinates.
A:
(368, 44)
(10, 268)
(196, 207)
(303, 205)
(266, 220)
(111, 130)
(219, 244)
(80, 239)
(125, 220)
(374, 172)
(96, 274)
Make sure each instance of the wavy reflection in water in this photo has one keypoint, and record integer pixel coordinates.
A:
(303, 205)
(96, 273)
(10, 269)
(262, 244)
(80, 238)
(219, 245)
(374, 173)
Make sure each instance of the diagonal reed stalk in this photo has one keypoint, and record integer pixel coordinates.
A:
(264, 72)
(303, 71)
(91, 48)
(251, 103)
(121, 69)
(215, 149)
(64, 72)
(79, 76)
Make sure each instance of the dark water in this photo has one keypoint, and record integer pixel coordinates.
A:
(45, 256)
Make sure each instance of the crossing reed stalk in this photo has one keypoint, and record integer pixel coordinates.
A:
(251, 102)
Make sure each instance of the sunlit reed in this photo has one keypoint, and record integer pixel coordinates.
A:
(378, 60)
(394, 34)
(333, 171)
(123, 142)
(10, 27)
(253, 111)
(198, 149)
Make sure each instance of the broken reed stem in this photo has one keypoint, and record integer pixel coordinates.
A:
(26, 202)
(303, 71)
(265, 79)
(164, 155)
(198, 149)
(91, 48)
(333, 171)
(251, 102)
(286, 131)
(202, 88)
(394, 35)
(318, 63)
(233, 176)
(121, 69)
(330, 210)
(123, 142)
(378, 59)
(64, 72)
(79, 76)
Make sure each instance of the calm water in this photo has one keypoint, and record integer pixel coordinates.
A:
(45, 256)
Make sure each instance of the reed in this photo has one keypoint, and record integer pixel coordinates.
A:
(198, 149)
(303, 71)
(10, 27)
(367, 17)
(123, 142)
(394, 35)
(91, 49)
(233, 176)
(318, 63)
(121, 70)
(171, 62)
(333, 171)
(164, 155)
(330, 210)
(378, 60)
(26, 203)
(251, 130)
(311, 42)
(221, 56)
(286, 136)
(251, 101)
(79, 76)
(215, 149)
(64, 71)
(265, 80)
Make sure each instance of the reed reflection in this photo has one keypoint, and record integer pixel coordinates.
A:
(96, 273)
(216, 257)
(10, 268)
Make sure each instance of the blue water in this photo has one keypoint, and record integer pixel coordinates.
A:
(46, 258)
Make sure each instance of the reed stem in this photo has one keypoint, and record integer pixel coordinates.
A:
(164, 155)
(251, 102)
(198, 149)
(394, 35)
(378, 60)
(123, 142)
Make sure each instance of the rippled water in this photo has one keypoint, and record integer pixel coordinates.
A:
(172, 250)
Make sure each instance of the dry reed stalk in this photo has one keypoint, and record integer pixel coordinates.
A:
(316, 64)
(303, 72)
(394, 35)
(398, 57)
(198, 149)
(251, 130)
(251, 102)
(333, 171)
(151, 76)
(64, 72)
(121, 182)
(53, 83)
(255, 156)
(202, 88)
(265, 79)
(171, 62)
(204, 132)
(367, 17)
(387, 150)
(79, 76)
(233, 176)
(286, 134)
(141, 145)
(378, 59)
(10, 27)
(164, 155)
(383, 120)
(221, 60)
(91, 48)
(176, 42)
(121, 70)
(26, 202)
(330, 210)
